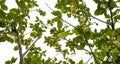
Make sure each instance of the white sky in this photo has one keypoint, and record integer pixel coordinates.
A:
(6, 49)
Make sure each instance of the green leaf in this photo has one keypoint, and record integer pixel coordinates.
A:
(59, 24)
(57, 13)
(63, 34)
(13, 14)
(106, 15)
(99, 11)
(55, 19)
(114, 51)
(9, 16)
(63, 9)
(2, 38)
(4, 7)
(79, 29)
(81, 62)
(22, 5)
(2, 1)
(7, 62)
(69, 15)
(116, 12)
(96, 1)
(42, 13)
(9, 39)
(75, 32)
(22, 28)
(13, 60)
(113, 4)
(2, 23)
(71, 61)
(105, 62)
(14, 11)
(81, 47)
(2, 14)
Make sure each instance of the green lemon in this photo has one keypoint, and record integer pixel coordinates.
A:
(29, 40)
(30, 5)
(16, 48)
(33, 34)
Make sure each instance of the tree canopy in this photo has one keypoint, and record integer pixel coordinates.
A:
(103, 45)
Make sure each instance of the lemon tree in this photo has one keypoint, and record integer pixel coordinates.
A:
(58, 32)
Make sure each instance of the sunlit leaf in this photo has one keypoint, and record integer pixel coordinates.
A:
(63, 34)
(4, 7)
(57, 13)
(59, 24)
(81, 62)
(96, 1)
(99, 11)
(2, 14)
(42, 13)
(81, 47)
(9, 39)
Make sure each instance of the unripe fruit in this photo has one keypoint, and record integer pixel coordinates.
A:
(57, 44)
(85, 29)
(29, 39)
(51, 40)
(33, 34)
(73, 11)
(30, 5)
(55, 32)
(21, 36)
(16, 48)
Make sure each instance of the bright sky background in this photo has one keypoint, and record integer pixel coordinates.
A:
(6, 49)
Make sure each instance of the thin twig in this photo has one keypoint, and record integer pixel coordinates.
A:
(30, 47)
(55, 56)
(28, 33)
(87, 51)
(86, 40)
(59, 16)
(99, 20)
(88, 60)
(20, 48)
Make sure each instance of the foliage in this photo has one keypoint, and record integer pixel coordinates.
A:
(105, 46)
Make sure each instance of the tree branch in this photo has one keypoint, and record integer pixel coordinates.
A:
(87, 51)
(99, 20)
(30, 47)
(55, 56)
(88, 60)
(20, 48)
(86, 40)
(111, 16)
